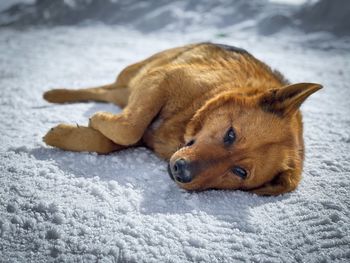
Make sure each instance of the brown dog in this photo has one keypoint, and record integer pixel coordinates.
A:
(224, 119)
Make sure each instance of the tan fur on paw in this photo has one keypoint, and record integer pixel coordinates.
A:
(79, 138)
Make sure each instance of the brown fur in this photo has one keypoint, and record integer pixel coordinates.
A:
(198, 92)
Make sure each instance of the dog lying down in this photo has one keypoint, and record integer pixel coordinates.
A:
(222, 118)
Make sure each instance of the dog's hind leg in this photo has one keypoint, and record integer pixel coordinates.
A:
(117, 92)
(80, 139)
(112, 93)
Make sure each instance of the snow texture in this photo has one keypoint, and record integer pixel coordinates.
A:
(81, 207)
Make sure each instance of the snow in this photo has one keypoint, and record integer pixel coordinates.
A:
(123, 207)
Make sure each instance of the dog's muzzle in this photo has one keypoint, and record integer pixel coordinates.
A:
(180, 171)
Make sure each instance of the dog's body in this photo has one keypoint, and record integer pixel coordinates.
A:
(241, 121)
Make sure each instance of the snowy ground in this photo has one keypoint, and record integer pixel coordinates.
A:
(64, 206)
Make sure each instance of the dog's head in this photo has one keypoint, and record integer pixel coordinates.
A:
(238, 142)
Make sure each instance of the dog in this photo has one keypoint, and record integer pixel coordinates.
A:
(222, 118)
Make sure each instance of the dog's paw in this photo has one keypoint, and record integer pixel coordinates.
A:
(114, 128)
(57, 95)
(99, 118)
(56, 134)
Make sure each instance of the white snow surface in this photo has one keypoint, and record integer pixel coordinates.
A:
(81, 207)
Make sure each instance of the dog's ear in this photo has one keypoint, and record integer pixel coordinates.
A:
(283, 182)
(287, 100)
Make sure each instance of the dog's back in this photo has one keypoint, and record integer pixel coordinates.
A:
(220, 63)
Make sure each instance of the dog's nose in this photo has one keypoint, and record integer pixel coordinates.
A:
(181, 172)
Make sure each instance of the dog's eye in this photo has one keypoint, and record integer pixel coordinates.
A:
(189, 143)
(230, 136)
(239, 171)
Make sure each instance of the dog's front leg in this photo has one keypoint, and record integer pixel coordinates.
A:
(144, 104)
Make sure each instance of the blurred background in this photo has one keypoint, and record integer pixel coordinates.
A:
(264, 16)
